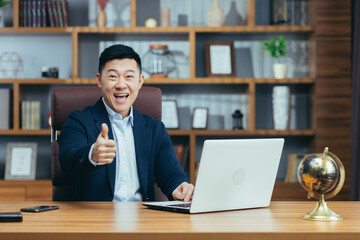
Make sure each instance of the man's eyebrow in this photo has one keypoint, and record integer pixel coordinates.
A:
(111, 70)
(114, 70)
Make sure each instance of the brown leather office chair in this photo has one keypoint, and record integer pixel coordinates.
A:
(64, 100)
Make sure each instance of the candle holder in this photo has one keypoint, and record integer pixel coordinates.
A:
(237, 117)
(158, 61)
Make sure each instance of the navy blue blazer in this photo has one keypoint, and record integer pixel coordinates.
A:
(155, 157)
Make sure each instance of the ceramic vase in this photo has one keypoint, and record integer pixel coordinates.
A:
(280, 70)
(233, 18)
(281, 107)
(215, 16)
(101, 19)
(165, 17)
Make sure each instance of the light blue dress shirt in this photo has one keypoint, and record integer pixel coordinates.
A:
(127, 185)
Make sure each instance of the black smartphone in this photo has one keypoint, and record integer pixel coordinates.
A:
(39, 208)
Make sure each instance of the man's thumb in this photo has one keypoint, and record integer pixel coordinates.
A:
(104, 131)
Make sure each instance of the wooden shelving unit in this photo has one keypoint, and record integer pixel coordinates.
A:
(250, 84)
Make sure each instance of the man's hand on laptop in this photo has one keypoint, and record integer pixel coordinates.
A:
(183, 192)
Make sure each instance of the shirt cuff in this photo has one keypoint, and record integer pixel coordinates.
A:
(91, 161)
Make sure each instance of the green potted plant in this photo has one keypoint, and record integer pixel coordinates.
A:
(2, 3)
(277, 49)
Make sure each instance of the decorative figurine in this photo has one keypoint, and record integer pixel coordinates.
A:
(237, 117)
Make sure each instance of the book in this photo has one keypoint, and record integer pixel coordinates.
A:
(55, 14)
(21, 13)
(34, 13)
(65, 13)
(24, 115)
(4, 108)
(35, 115)
(38, 11)
(25, 12)
(29, 13)
(43, 13)
(59, 12)
(185, 157)
(50, 13)
(179, 152)
(293, 163)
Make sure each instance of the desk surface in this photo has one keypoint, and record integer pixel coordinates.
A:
(107, 220)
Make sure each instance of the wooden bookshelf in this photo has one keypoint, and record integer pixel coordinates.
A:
(328, 78)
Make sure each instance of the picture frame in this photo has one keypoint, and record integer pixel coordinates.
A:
(294, 160)
(220, 59)
(200, 118)
(170, 116)
(20, 161)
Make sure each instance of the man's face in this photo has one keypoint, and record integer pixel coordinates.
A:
(120, 82)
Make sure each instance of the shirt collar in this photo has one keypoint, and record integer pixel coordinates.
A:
(114, 115)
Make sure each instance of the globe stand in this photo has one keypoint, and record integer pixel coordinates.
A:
(322, 212)
(320, 168)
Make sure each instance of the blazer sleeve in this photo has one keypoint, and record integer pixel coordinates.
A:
(168, 171)
(75, 142)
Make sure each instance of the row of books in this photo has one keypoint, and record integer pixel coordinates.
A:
(290, 12)
(43, 13)
(30, 114)
(182, 154)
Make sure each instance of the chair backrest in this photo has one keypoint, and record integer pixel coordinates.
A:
(64, 100)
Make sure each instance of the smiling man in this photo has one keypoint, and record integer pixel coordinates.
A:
(113, 152)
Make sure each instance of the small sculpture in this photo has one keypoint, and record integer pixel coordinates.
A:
(11, 65)
(237, 120)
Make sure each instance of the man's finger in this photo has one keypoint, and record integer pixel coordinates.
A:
(110, 143)
(104, 131)
(189, 193)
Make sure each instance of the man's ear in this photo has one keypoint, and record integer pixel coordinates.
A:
(141, 81)
(98, 80)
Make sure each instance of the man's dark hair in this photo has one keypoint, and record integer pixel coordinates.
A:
(118, 51)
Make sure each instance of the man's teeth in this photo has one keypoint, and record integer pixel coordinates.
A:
(121, 95)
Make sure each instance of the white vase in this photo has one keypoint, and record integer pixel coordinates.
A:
(280, 70)
(215, 16)
(281, 107)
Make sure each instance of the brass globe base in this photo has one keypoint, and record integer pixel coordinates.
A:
(322, 213)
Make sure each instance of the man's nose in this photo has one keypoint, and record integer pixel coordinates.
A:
(120, 83)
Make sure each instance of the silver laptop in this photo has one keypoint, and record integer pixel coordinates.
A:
(233, 174)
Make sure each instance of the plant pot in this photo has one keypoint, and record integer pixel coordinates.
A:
(280, 70)
(281, 107)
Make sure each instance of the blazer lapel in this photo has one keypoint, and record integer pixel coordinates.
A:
(142, 139)
(100, 117)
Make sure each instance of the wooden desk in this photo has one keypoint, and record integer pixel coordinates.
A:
(84, 220)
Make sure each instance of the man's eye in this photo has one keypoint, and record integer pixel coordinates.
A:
(130, 76)
(112, 76)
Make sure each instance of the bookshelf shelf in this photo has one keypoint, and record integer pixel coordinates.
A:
(185, 132)
(160, 81)
(23, 132)
(224, 29)
(308, 132)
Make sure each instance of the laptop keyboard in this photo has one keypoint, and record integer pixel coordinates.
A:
(181, 205)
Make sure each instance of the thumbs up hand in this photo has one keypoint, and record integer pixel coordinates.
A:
(104, 149)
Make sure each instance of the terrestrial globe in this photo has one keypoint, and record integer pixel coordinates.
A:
(322, 175)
